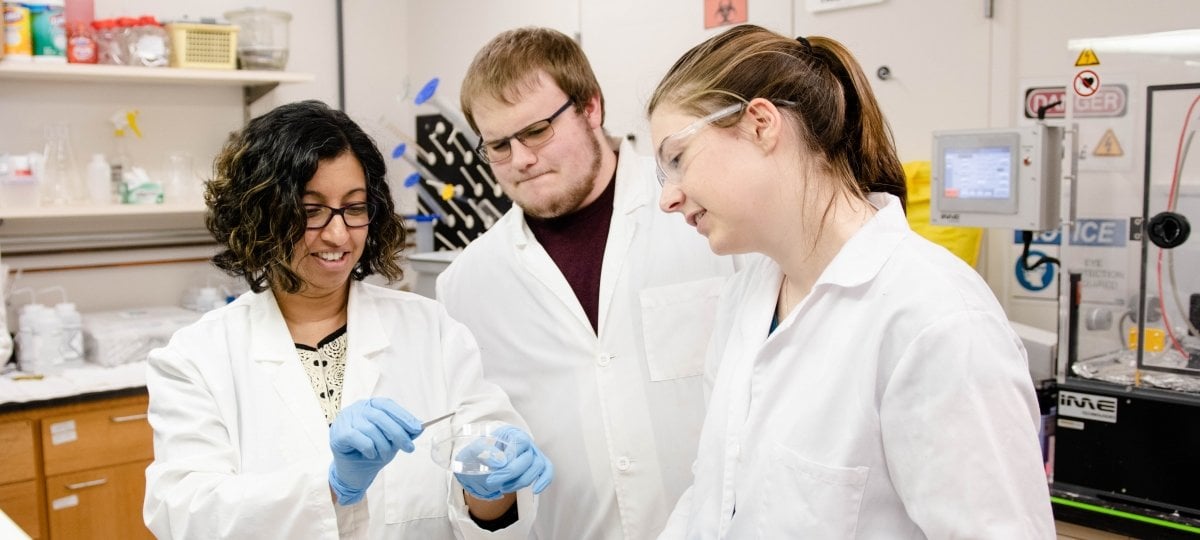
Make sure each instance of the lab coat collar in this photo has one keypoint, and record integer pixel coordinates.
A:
(366, 336)
(363, 320)
(273, 343)
(863, 256)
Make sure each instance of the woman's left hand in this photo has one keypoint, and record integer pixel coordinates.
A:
(521, 465)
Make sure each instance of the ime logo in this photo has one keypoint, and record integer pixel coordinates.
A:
(1087, 406)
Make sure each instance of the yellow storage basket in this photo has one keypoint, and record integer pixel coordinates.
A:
(212, 46)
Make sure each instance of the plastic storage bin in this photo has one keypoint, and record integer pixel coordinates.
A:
(211, 46)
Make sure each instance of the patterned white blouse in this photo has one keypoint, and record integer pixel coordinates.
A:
(326, 368)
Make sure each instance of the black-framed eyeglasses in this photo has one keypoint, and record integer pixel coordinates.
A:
(355, 215)
(533, 136)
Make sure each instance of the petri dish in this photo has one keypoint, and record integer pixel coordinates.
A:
(471, 450)
(470, 454)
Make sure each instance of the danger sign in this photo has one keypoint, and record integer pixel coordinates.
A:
(1108, 102)
(1087, 82)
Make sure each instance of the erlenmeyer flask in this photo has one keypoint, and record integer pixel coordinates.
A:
(60, 181)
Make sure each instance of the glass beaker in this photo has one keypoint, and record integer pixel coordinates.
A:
(60, 181)
(181, 184)
(262, 37)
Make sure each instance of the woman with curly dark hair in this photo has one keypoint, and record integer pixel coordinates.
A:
(275, 415)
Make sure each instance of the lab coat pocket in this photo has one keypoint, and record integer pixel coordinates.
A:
(805, 499)
(677, 322)
(416, 487)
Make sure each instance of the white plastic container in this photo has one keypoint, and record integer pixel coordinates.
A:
(72, 332)
(19, 188)
(40, 339)
(99, 180)
(208, 298)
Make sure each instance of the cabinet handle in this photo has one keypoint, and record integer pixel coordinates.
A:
(88, 484)
(127, 418)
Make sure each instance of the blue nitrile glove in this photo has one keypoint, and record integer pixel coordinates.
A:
(521, 465)
(364, 437)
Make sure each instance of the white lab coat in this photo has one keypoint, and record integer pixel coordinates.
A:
(6, 342)
(619, 414)
(893, 402)
(242, 448)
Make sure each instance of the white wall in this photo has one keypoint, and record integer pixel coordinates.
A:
(632, 44)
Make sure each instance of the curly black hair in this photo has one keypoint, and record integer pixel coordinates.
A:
(254, 200)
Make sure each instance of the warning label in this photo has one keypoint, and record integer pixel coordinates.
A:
(1108, 102)
(1108, 145)
(1087, 58)
(1086, 83)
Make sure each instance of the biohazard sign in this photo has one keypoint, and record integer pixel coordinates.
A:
(724, 12)
(1087, 82)
(1108, 146)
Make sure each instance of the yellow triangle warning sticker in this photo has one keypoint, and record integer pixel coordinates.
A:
(1108, 145)
(1087, 58)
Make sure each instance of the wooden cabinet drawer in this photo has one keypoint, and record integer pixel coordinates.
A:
(86, 440)
(19, 502)
(98, 503)
(16, 451)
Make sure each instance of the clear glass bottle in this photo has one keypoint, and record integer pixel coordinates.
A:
(60, 180)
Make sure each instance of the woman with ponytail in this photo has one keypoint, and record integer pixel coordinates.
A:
(867, 382)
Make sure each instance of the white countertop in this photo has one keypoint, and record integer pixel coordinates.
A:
(73, 381)
(10, 530)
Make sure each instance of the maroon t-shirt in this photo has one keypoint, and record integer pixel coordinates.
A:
(576, 244)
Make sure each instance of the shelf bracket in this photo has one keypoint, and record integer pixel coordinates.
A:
(250, 94)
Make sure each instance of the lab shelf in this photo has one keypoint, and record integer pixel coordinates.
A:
(256, 83)
(126, 74)
(86, 211)
(67, 228)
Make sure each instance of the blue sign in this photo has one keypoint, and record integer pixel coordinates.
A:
(1037, 279)
(1087, 232)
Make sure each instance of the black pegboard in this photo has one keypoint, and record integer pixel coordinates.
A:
(477, 200)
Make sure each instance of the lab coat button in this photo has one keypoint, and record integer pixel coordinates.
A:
(604, 360)
(623, 464)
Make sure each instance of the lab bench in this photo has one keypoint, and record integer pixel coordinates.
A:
(75, 453)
